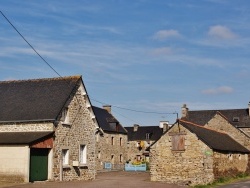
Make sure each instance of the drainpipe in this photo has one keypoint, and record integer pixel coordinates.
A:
(61, 168)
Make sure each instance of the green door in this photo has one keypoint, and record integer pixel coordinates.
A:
(38, 164)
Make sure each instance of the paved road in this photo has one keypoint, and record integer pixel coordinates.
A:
(242, 184)
(106, 180)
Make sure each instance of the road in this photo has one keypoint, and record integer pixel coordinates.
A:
(241, 184)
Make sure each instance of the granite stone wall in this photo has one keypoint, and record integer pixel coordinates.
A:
(221, 124)
(115, 153)
(79, 131)
(191, 166)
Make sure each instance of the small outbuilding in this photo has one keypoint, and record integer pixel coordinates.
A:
(192, 154)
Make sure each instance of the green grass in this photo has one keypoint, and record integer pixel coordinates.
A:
(224, 181)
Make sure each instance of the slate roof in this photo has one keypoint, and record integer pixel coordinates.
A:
(155, 133)
(107, 121)
(203, 116)
(36, 99)
(22, 137)
(214, 139)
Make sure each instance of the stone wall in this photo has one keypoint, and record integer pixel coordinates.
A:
(221, 124)
(229, 164)
(192, 166)
(26, 127)
(135, 150)
(80, 130)
(106, 152)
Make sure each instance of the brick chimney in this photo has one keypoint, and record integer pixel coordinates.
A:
(107, 107)
(136, 126)
(184, 111)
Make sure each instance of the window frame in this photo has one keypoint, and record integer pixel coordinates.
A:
(65, 157)
(65, 116)
(83, 154)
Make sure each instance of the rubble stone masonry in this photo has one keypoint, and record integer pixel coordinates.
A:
(112, 148)
(192, 166)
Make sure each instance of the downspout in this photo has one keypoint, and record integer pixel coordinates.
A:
(61, 167)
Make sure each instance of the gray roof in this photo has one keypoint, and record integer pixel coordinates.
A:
(22, 137)
(203, 116)
(37, 99)
(107, 121)
(155, 132)
(214, 139)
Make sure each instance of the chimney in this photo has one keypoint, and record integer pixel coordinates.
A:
(249, 108)
(164, 125)
(136, 127)
(184, 111)
(107, 107)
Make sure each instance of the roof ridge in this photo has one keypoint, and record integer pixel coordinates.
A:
(222, 115)
(42, 79)
(218, 109)
(202, 126)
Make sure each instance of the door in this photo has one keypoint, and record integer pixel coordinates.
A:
(38, 164)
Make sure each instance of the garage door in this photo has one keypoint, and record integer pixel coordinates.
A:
(38, 164)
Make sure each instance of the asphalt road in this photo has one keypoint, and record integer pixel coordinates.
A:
(241, 184)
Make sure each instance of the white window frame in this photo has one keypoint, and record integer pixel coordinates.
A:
(65, 157)
(65, 116)
(83, 154)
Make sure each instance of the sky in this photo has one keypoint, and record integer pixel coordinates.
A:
(145, 58)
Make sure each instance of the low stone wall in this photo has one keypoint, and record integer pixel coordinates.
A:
(229, 165)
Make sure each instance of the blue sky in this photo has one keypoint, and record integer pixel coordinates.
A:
(145, 55)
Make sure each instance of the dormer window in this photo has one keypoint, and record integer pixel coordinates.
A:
(147, 136)
(236, 119)
(65, 116)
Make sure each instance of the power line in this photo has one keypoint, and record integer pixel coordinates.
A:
(128, 109)
(30, 44)
(133, 110)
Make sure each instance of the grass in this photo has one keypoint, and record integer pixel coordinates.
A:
(224, 181)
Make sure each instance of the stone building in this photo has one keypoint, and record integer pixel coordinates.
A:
(111, 141)
(191, 154)
(140, 138)
(234, 122)
(47, 130)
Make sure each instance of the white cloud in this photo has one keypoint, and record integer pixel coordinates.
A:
(165, 34)
(219, 90)
(221, 32)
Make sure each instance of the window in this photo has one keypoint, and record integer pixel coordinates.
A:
(178, 142)
(65, 116)
(121, 158)
(236, 119)
(65, 156)
(83, 154)
(112, 140)
(112, 159)
(99, 155)
(147, 136)
(120, 141)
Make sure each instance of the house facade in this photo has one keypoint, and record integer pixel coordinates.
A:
(47, 130)
(191, 154)
(111, 141)
(231, 121)
(140, 138)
